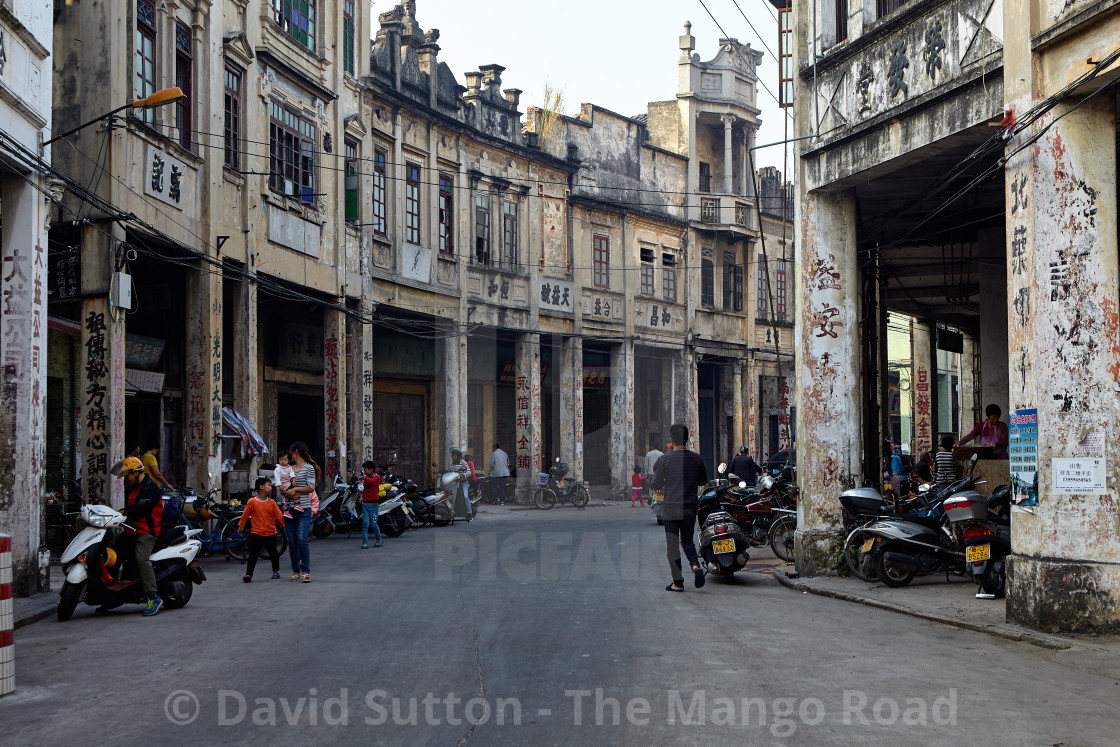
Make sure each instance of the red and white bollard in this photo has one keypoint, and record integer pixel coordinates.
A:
(7, 619)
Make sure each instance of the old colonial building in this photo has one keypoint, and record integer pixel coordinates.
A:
(959, 166)
(330, 238)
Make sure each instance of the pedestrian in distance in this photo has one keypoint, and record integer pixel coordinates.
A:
(371, 497)
(298, 498)
(679, 473)
(745, 467)
(946, 465)
(261, 514)
(636, 486)
(923, 470)
(151, 465)
(499, 473)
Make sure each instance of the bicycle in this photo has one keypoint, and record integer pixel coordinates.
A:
(226, 535)
(555, 487)
(61, 527)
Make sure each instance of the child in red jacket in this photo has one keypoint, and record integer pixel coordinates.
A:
(636, 486)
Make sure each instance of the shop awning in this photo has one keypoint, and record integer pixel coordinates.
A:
(251, 442)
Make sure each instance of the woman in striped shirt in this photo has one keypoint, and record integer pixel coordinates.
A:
(299, 505)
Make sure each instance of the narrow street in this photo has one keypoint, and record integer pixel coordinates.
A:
(544, 628)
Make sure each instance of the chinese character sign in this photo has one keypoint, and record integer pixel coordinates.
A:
(923, 426)
(1023, 451)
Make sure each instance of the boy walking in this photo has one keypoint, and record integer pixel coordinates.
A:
(371, 485)
(263, 512)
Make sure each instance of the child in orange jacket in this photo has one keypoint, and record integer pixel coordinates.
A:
(263, 512)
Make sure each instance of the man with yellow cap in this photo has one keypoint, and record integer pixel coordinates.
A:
(143, 509)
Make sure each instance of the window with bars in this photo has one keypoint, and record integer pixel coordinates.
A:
(183, 79)
(707, 281)
(145, 56)
(297, 18)
(482, 228)
(379, 208)
(884, 7)
(601, 261)
(353, 181)
(763, 287)
(509, 232)
(446, 215)
(841, 22)
(780, 290)
(785, 57)
(412, 203)
(647, 287)
(732, 283)
(348, 36)
(669, 276)
(292, 153)
(233, 119)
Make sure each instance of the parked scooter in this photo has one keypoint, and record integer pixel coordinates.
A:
(901, 549)
(985, 529)
(723, 546)
(339, 512)
(434, 506)
(97, 576)
(393, 515)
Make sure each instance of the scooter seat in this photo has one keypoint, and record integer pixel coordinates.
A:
(118, 585)
(168, 537)
(930, 522)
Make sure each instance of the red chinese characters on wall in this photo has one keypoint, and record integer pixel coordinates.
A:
(923, 437)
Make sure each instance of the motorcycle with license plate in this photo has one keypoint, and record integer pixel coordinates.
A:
(985, 528)
(98, 575)
(723, 545)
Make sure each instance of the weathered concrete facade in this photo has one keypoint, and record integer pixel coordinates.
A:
(27, 209)
(975, 143)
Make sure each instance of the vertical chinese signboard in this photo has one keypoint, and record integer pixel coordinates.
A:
(923, 436)
(524, 424)
(1023, 449)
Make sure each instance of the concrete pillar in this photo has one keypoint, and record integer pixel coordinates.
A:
(738, 438)
(969, 414)
(748, 162)
(334, 391)
(23, 379)
(923, 379)
(527, 455)
(204, 378)
(246, 353)
(571, 404)
(362, 402)
(728, 153)
(827, 350)
(750, 385)
(454, 396)
(686, 399)
(1064, 361)
(622, 418)
(102, 365)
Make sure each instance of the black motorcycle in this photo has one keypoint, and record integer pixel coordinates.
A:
(340, 512)
(985, 528)
(723, 546)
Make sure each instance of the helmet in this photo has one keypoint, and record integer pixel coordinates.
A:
(128, 464)
(456, 450)
(742, 449)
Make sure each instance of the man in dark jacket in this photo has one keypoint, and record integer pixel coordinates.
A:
(679, 473)
(745, 467)
(143, 510)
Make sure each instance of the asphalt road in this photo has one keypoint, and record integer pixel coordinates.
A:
(530, 627)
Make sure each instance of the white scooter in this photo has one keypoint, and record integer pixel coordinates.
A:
(97, 576)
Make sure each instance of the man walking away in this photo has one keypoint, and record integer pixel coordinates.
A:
(679, 473)
(499, 473)
(745, 467)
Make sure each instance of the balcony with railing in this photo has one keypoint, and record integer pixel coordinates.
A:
(729, 211)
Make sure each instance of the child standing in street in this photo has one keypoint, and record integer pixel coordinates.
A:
(263, 512)
(636, 486)
(371, 485)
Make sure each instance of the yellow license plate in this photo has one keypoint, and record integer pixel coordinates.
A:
(978, 552)
(867, 545)
(723, 546)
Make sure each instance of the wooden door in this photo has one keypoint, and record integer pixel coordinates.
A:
(398, 426)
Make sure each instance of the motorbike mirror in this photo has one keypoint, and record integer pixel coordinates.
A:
(975, 458)
(558, 460)
(722, 467)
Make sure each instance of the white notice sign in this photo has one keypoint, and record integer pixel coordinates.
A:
(1078, 476)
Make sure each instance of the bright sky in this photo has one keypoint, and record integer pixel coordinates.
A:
(618, 54)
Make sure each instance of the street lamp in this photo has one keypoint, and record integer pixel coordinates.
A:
(159, 98)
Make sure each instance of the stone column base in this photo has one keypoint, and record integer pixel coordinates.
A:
(816, 551)
(1063, 596)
